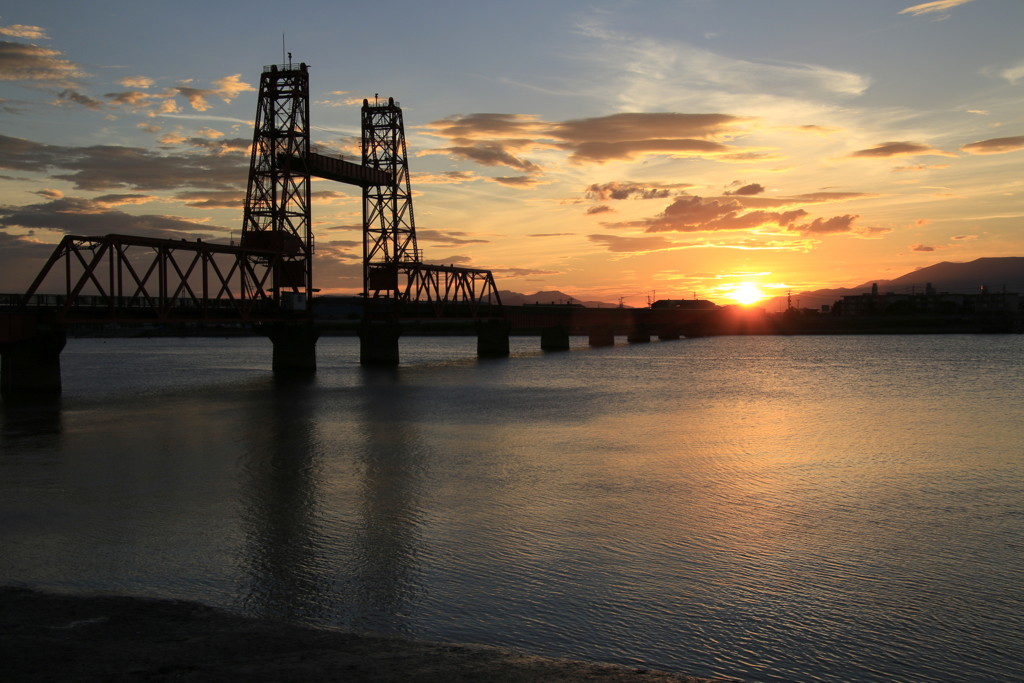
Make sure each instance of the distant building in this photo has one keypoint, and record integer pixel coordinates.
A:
(929, 302)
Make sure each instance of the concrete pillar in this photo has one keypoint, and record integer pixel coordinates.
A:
(555, 338)
(492, 339)
(378, 344)
(294, 347)
(601, 336)
(639, 334)
(32, 366)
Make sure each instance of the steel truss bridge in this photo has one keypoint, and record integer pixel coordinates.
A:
(268, 276)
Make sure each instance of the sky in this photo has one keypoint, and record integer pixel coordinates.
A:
(614, 150)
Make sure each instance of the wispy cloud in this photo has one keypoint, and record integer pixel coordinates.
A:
(995, 145)
(642, 73)
(892, 149)
(24, 31)
(938, 6)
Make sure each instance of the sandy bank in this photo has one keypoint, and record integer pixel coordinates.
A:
(55, 637)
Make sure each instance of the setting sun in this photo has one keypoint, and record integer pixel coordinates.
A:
(747, 293)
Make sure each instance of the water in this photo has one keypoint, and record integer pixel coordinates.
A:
(771, 508)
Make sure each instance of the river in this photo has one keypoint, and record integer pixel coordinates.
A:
(813, 508)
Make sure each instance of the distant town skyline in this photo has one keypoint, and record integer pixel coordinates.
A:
(608, 149)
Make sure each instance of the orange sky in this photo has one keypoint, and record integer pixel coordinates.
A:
(592, 148)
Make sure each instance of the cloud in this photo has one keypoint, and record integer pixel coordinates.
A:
(933, 7)
(520, 181)
(502, 139)
(228, 88)
(620, 244)
(38, 65)
(446, 178)
(826, 226)
(21, 259)
(627, 135)
(1013, 73)
(493, 154)
(699, 214)
(872, 232)
(891, 149)
(109, 200)
(652, 69)
(79, 99)
(136, 82)
(602, 208)
(921, 247)
(75, 215)
(819, 130)
(465, 127)
(690, 213)
(110, 167)
(23, 31)
(212, 199)
(995, 145)
(627, 190)
(510, 271)
(450, 238)
(747, 190)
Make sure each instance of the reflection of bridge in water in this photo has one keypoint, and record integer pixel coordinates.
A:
(267, 279)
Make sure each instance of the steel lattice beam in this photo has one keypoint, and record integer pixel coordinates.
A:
(121, 278)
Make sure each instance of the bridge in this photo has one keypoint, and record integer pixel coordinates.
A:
(266, 280)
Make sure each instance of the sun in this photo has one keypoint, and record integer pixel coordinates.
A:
(747, 293)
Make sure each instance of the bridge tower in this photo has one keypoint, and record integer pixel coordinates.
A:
(396, 281)
(277, 201)
(389, 240)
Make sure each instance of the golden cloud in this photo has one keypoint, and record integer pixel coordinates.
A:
(931, 7)
(21, 62)
(24, 31)
(501, 139)
(520, 181)
(995, 145)
(628, 190)
(620, 244)
(892, 149)
(136, 82)
(228, 88)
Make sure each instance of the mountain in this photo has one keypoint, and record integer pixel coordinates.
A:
(509, 298)
(996, 273)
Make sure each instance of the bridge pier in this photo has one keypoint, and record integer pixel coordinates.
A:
(378, 344)
(32, 365)
(554, 338)
(639, 334)
(602, 335)
(294, 347)
(492, 339)
(669, 334)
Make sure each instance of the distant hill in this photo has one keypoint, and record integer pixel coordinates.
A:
(509, 298)
(996, 273)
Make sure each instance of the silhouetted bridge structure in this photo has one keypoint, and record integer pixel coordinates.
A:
(266, 280)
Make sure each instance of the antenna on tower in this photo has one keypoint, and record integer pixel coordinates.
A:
(282, 47)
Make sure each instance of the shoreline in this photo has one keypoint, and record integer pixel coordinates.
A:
(88, 637)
